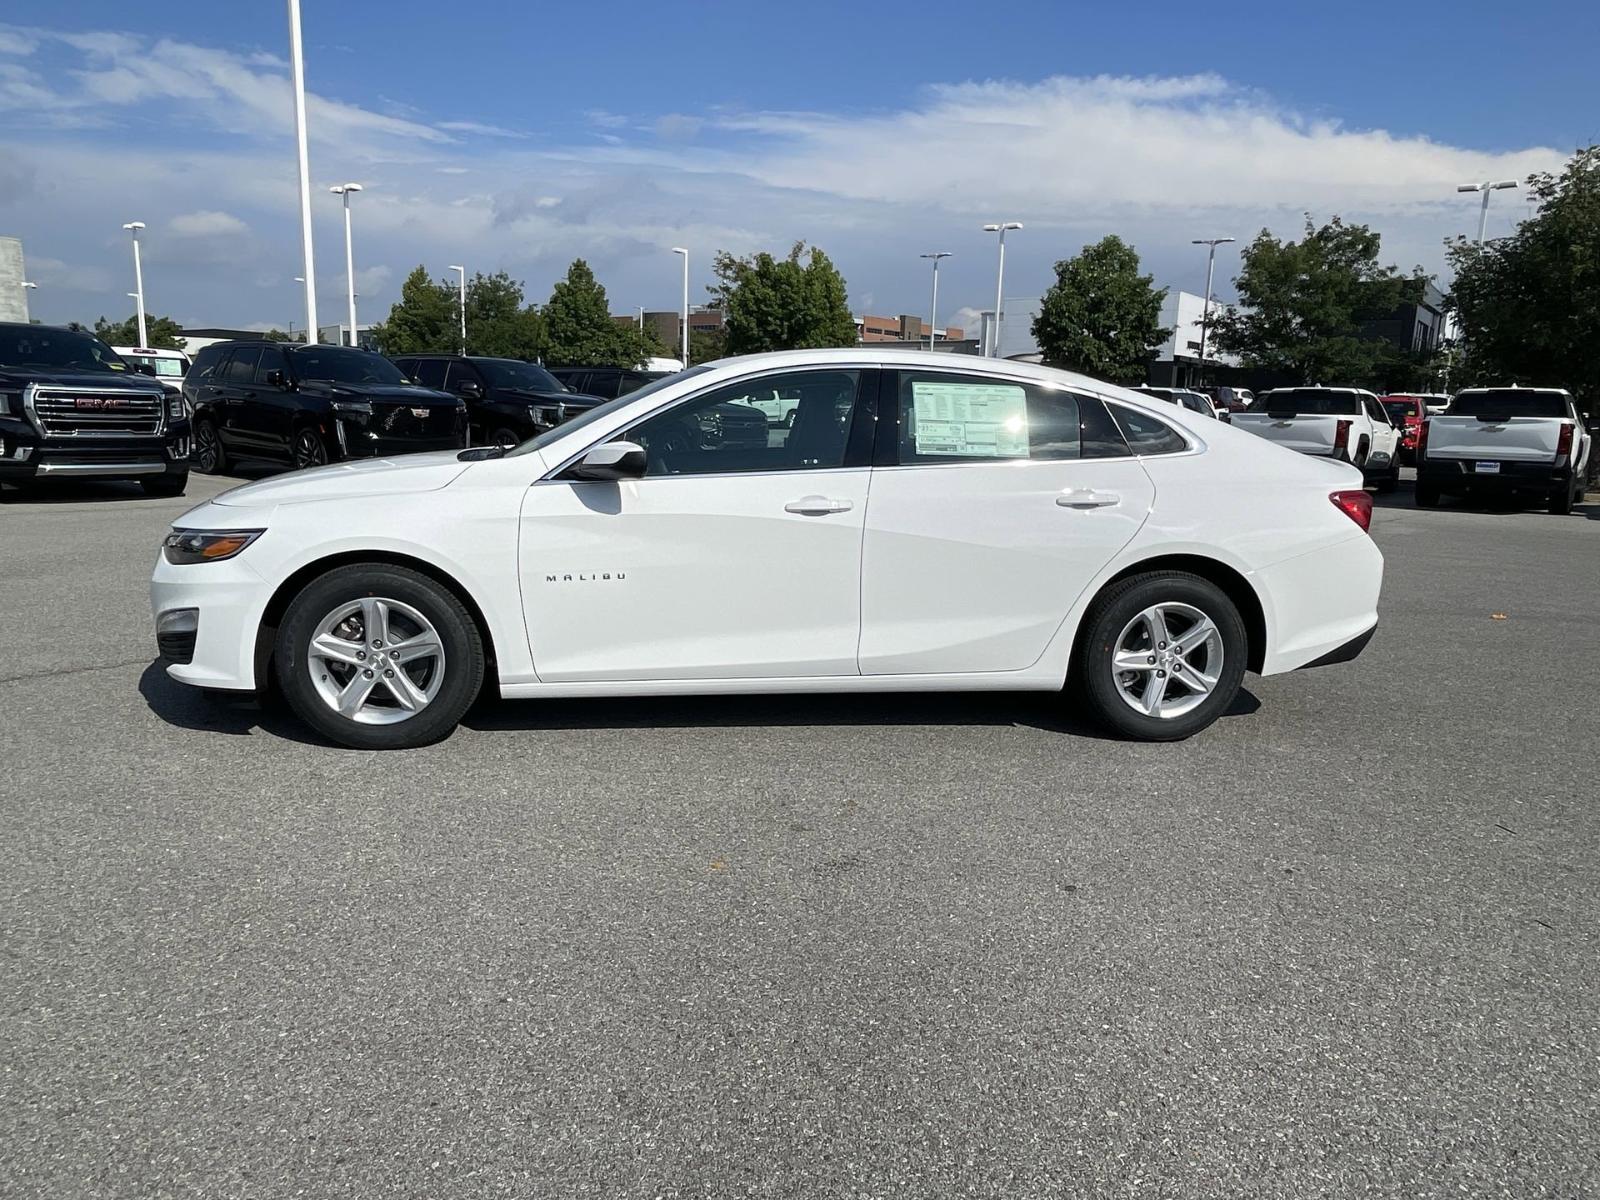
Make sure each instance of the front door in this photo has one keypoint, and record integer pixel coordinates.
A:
(235, 387)
(737, 555)
(270, 406)
(997, 502)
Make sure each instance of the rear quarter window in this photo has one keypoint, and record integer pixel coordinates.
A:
(1146, 434)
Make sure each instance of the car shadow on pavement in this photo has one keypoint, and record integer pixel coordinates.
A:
(1405, 500)
(1050, 713)
(240, 714)
(56, 491)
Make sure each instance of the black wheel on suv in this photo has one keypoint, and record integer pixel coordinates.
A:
(165, 485)
(1161, 656)
(209, 458)
(378, 657)
(309, 450)
(506, 437)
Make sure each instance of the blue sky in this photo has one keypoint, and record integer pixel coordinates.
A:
(518, 136)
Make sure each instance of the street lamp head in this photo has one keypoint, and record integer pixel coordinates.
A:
(1211, 241)
(1504, 183)
(27, 283)
(936, 255)
(340, 189)
(683, 250)
(1004, 225)
(456, 267)
(134, 225)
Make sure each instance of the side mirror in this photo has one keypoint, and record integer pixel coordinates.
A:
(469, 388)
(610, 461)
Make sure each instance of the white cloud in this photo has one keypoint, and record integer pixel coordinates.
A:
(206, 224)
(480, 129)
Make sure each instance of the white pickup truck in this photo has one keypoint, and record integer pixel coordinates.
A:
(1343, 423)
(1505, 440)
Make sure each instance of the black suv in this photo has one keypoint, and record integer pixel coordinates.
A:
(606, 382)
(308, 405)
(71, 409)
(508, 401)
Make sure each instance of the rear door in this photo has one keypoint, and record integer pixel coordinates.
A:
(995, 502)
(1385, 437)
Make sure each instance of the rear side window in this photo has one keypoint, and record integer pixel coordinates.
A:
(1508, 402)
(205, 362)
(1145, 434)
(963, 418)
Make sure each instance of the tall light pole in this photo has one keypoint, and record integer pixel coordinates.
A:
(461, 292)
(344, 189)
(1205, 311)
(933, 307)
(1486, 187)
(684, 348)
(138, 280)
(297, 77)
(999, 283)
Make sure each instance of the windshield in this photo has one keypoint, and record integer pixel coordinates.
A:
(337, 364)
(1509, 402)
(601, 410)
(1308, 402)
(509, 373)
(1399, 410)
(167, 368)
(42, 346)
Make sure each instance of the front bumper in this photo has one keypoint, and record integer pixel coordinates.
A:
(25, 455)
(227, 600)
(383, 436)
(1462, 475)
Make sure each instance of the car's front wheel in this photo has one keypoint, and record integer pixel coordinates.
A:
(379, 657)
(1162, 656)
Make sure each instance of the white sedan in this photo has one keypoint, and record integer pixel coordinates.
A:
(928, 522)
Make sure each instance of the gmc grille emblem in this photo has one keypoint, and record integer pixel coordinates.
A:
(100, 402)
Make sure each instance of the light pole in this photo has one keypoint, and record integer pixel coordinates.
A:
(297, 77)
(1205, 311)
(138, 279)
(933, 307)
(344, 189)
(1486, 187)
(684, 347)
(461, 292)
(999, 283)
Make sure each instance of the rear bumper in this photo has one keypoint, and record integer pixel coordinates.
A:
(26, 456)
(1318, 604)
(1345, 653)
(1461, 475)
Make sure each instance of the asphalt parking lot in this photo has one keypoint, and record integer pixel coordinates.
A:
(1342, 944)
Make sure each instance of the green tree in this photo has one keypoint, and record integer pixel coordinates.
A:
(707, 345)
(782, 304)
(164, 332)
(499, 324)
(424, 320)
(581, 331)
(1303, 305)
(1101, 317)
(1529, 304)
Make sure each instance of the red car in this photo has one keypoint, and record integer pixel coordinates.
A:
(1408, 412)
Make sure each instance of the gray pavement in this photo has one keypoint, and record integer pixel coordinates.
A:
(1342, 944)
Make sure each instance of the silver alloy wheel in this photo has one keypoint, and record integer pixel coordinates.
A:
(1167, 660)
(376, 661)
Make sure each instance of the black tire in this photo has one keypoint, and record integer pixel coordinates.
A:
(1561, 499)
(209, 456)
(458, 634)
(505, 436)
(165, 485)
(1427, 495)
(308, 449)
(1389, 482)
(1096, 684)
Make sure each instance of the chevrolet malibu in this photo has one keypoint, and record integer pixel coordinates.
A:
(927, 522)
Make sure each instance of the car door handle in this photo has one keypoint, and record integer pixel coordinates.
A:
(1087, 498)
(817, 506)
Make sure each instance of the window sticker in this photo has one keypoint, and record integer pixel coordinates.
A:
(970, 420)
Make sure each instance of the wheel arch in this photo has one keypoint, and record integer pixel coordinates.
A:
(272, 615)
(1233, 584)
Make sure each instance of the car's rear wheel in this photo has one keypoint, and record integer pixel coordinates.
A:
(379, 657)
(1562, 498)
(309, 450)
(1162, 656)
(1390, 479)
(209, 458)
(165, 485)
(1427, 495)
(506, 438)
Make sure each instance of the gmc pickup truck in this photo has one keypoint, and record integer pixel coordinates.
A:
(1343, 423)
(71, 409)
(1505, 440)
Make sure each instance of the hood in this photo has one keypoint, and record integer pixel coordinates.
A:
(577, 400)
(382, 393)
(341, 481)
(104, 381)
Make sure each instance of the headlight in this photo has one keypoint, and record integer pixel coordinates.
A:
(184, 546)
(352, 408)
(177, 408)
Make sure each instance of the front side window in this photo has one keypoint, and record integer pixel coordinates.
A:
(964, 418)
(460, 373)
(727, 431)
(271, 360)
(241, 366)
(599, 412)
(429, 372)
(509, 373)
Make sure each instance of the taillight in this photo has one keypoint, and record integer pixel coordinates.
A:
(1563, 442)
(1341, 437)
(1422, 439)
(1355, 505)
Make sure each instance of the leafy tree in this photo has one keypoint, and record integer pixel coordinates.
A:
(1303, 305)
(707, 345)
(1529, 304)
(782, 304)
(278, 335)
(580, 329)
(424, 320)
(164, 332)
(1101, 316)
(499, 324)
